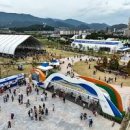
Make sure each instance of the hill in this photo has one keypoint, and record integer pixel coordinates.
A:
(11, 20)
(118, 26)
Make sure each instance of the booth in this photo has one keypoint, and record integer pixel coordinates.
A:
(55, 63)
(45, 67)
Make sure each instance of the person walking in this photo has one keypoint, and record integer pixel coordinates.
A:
(9, 124)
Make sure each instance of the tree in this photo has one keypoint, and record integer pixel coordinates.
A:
(114, 63)
(80, 46)
(105, 61)
(128, 64)
(128, 67)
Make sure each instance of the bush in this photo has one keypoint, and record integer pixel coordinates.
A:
(100, 68)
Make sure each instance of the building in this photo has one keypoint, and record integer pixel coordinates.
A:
(71, 32)
(106, 45)
(127, 31)
(19, 44)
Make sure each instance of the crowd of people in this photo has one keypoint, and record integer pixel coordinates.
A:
(38, 113)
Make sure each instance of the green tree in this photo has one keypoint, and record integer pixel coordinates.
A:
(114, 63)
(80, 47)
(128, 67)
(105, 61)
(128, 64)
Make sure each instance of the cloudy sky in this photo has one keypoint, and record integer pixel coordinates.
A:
(103, 11)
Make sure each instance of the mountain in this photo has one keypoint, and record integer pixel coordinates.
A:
(118, 26)
(18, 20)
(11, 20)
(74, 22)
(98, 26)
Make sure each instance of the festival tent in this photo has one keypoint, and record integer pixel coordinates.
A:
(54, 63)
(45, 66)
(10, 43)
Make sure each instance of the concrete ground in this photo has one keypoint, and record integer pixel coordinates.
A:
(65, 116)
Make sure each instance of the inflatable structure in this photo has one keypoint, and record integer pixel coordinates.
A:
(40, 74)
(113, 93)
(106, 104)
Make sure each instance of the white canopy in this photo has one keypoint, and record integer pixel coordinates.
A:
(9, 43)
(45, 68)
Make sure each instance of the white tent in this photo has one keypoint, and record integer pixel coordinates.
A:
(9, 43)
(54, 63)
(45, 68)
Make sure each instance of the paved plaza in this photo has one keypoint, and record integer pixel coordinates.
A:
(65, 117)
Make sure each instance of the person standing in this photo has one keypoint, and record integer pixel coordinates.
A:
(29, 113)
(46, 111)
(64, 99)
(90, 121)
(12, 116)
(43, 105)
(42, 97)
(53, 107)
(115, 79)
(9, 90)
(83, 106)
(121, 84)
(81, 116)
(12, 97)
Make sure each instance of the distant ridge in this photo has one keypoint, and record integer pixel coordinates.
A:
(11, 20)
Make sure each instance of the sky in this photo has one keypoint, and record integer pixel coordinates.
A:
(89, 11)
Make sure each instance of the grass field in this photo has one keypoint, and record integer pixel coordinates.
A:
(82, 68)
(61, 53)
(12, 70)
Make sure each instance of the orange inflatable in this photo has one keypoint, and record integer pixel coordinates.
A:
(118, 97)
(41, 74)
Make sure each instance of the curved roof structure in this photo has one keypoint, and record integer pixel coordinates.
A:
(106, 104)
(9, 43)
(113, 93)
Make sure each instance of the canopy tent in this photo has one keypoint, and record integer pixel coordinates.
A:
(54, 63)
(45, 66)
(9, 43)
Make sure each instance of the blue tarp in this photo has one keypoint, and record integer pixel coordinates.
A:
(46, 64)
